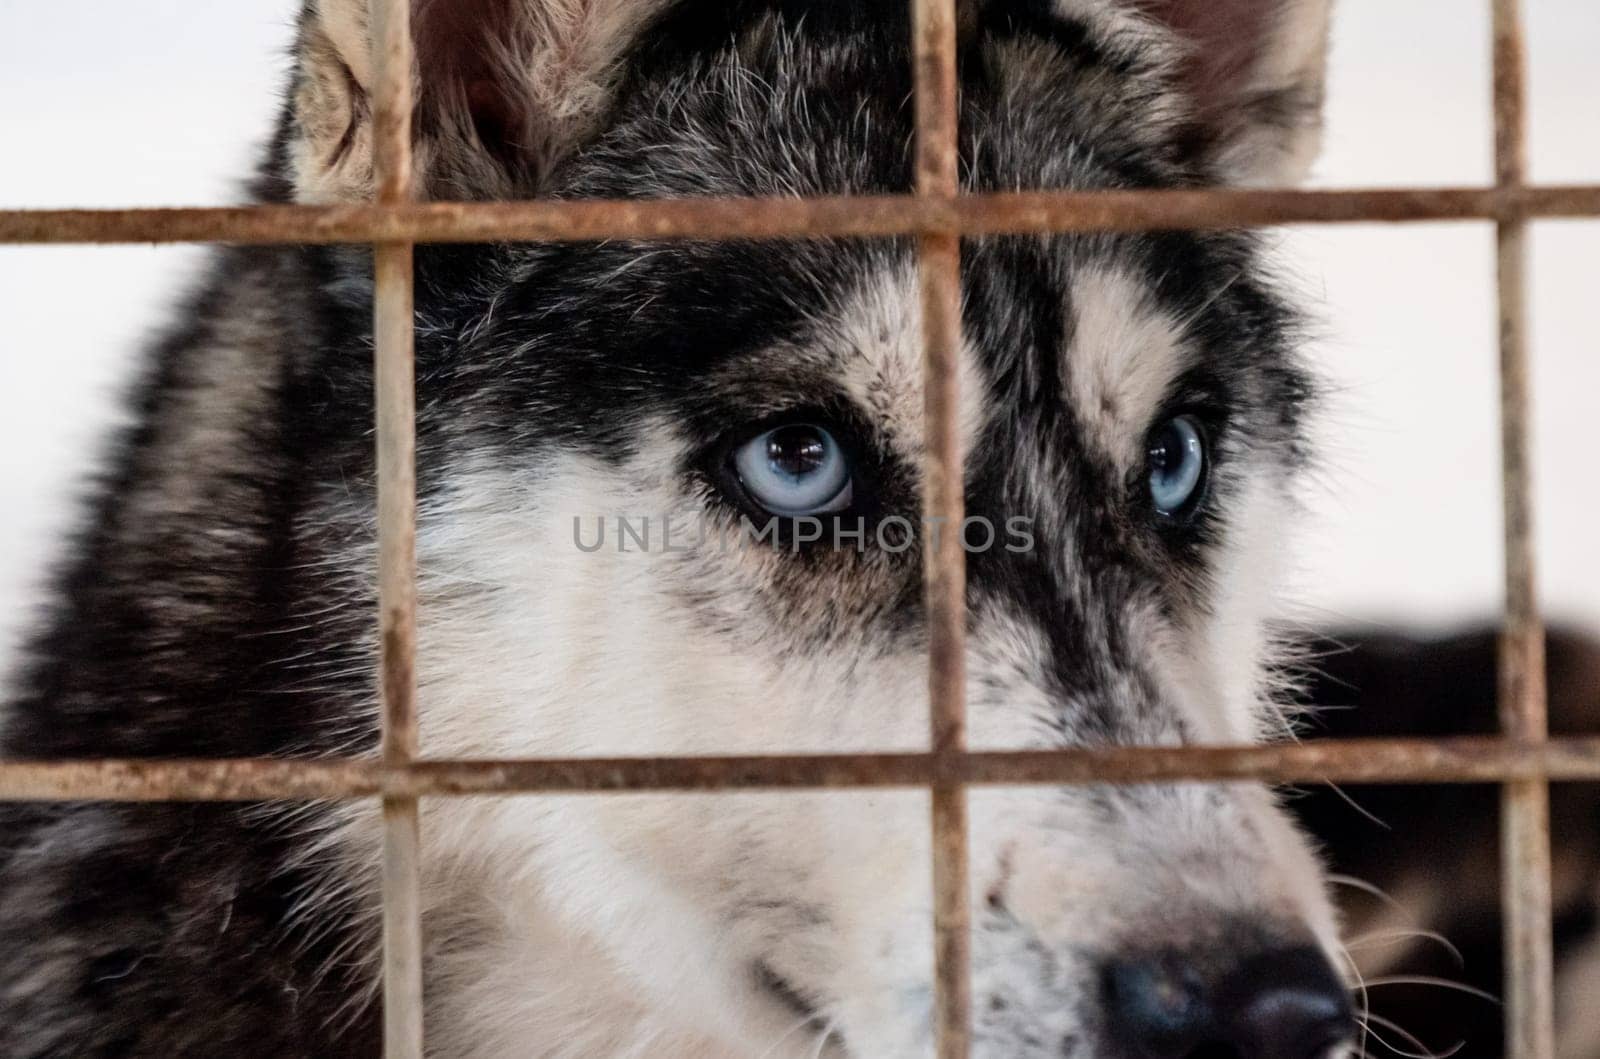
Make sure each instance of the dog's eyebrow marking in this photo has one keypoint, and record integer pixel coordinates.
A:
(1123, 351)
(877, 329)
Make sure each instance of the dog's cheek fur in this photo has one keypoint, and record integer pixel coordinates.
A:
(1222, 665)
(535, 648)
(535, 645)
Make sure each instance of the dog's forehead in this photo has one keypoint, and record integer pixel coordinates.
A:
(1086, 336)
(779, 104)
(786, 97)
(1091, 331)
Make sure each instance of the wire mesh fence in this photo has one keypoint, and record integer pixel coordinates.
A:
(1524, 760)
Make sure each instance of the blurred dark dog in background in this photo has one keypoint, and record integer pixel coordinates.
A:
(1417, 867)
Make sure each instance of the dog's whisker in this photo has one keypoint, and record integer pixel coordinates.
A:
(1349, 800)
(1354, 883)
(824, 1035)
(804, 1021)
(1437, 983)
(1360, 990)
(1424, 1052)
(1395, 937)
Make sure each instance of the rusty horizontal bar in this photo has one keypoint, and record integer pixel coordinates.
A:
(214, 780)
(1469, 759)
(755, 218)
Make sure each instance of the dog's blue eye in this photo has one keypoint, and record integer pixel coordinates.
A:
(796, 469)
(1177, 465)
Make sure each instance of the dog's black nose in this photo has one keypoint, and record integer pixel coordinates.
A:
(1273, 1004)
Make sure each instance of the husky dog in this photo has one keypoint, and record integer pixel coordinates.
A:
(1134, 401)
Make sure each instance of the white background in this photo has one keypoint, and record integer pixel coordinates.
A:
(158, 102)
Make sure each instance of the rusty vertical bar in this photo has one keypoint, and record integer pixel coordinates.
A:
(944, 561)
(1525, 803)
(395, 398)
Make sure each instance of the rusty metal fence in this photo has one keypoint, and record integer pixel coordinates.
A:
(1523, 760)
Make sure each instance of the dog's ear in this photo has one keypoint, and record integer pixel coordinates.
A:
(1255, 71)
(504, 88)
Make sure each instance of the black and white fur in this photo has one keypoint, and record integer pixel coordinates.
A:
(219, 600)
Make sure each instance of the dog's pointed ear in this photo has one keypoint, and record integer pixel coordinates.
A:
(504, 89)
(1255, 70)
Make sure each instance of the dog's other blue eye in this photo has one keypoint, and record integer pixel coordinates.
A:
(796, 469)
(1177, 465)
